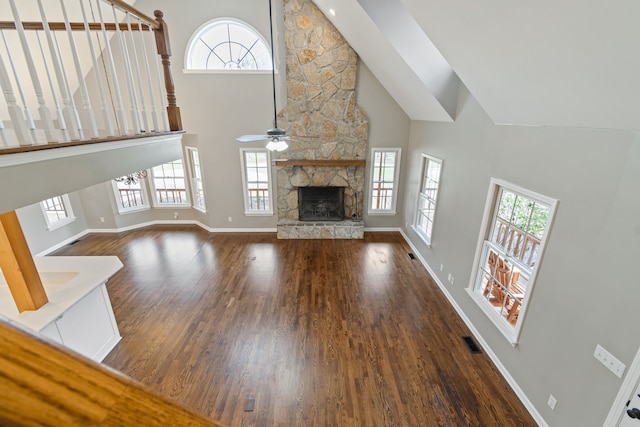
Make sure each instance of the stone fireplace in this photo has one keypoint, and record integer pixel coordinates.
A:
(331, 130)
(321, 203)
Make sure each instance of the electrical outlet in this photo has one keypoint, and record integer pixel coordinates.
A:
(552, 402)
(441, 267)
(101, 219)
(452, 280)
(230, 219)
(175, 215)
(608, 360)
(449, 278)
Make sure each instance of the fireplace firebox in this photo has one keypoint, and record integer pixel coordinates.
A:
(321, 203)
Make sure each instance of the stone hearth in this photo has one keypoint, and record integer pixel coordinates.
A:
(321, 103)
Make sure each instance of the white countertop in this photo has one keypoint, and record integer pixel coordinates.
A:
(66, 280)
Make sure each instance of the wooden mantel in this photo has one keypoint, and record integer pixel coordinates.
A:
(308, 162)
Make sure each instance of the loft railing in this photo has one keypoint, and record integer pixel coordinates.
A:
(75, 70)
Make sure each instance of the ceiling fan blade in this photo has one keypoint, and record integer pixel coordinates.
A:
(252, 138)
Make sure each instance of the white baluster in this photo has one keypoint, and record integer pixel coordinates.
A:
(3, 134)
(154, 113)
(43, 110)
(15, 113)
(86, 101)
(61, 122)
(76, 117)
(68, 110)
(161, 89)
(117, 98)
(106, 116)
(143, 111)
(135, 112)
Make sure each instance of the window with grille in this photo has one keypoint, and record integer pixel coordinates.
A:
(130, 192)
(195, 173)
(227, 45)
(256, 180)
(515, 231)
(427, 197)
(385, 167)
(169, 184)
(57, 211)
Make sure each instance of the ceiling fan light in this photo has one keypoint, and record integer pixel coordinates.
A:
(272, 145)
(281, 145)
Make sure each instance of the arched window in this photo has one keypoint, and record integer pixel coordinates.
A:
(227, 44)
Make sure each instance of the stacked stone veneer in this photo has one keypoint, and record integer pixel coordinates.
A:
(321, 103)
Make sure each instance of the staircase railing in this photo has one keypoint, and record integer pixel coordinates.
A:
(45, 384)
(74, 70)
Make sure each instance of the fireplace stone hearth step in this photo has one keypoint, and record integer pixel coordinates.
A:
(288, 229)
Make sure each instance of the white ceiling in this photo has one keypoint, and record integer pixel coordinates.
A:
(543, 63)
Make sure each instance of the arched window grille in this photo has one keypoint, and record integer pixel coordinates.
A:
(227, 44)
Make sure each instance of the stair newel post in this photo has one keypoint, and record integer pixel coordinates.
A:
(128, 73)
(145, 55)
(100, 79)
(121, 118)
(164, 50)
(43, 110)
(15, 113)
(86, 101)
(69, 112)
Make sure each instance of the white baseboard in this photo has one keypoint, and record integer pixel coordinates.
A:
(494, 358)
(63, 243)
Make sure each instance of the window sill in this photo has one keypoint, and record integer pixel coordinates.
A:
(507, 330)
(200, 209)
(167, 206)
(375, 213)
(134, 210)
(422, 236)
(252, 213)
(61, 223)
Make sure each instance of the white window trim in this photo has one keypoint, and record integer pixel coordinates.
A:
(196, 34)
(152, 185)
(145, 199)
(419, 232)
(396, 177)
(510, 333)
(192, 179)
(245, 196)
(64, 221)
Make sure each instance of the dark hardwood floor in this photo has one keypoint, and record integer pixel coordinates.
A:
(315, 332)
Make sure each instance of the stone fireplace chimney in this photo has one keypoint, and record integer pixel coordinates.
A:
(321, 109)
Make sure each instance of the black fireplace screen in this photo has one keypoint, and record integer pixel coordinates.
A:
(321, 203)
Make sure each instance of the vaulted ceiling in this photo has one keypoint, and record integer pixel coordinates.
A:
(543, 63)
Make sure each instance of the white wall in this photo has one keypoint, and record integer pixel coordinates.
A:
(586, 292)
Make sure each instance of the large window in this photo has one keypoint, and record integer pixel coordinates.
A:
(169, 185)
(512, 241)
(427, 197)
(57, 211)
(227, 45)
(385, 170)
(130, 192)
(195, 172)
(256, 180)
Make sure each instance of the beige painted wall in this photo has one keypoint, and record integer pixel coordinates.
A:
(586, 291)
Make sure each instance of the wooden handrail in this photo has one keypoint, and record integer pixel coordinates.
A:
(75, 26)
(44, 383)
(135, 12)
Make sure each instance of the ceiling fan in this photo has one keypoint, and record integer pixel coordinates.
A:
(277, 137)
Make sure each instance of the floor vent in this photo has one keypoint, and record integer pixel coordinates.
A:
(74, 242)
(471, 344)
(412, 256)
(249, 405)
